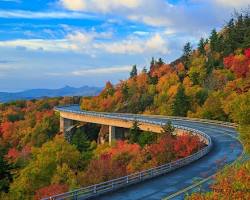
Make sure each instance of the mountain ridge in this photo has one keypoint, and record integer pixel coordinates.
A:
(43, 92)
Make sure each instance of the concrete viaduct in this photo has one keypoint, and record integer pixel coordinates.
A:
(117, 122)
(175, 179)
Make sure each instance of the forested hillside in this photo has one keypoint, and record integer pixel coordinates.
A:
(211, 81)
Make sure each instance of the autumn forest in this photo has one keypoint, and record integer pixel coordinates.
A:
(210, 81)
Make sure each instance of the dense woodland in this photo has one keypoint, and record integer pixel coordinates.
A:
(211, 81)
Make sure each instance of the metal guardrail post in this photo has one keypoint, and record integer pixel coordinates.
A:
(75, 195)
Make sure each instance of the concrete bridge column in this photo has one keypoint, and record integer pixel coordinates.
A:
(112, 136)
(65, 124)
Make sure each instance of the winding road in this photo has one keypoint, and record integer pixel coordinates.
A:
(226, 149)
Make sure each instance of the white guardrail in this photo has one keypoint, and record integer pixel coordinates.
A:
(108, 186)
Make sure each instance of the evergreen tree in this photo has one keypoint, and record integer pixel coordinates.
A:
(239, 26)
(187, 50)
(80, 140)
(133, 72)
(201, 46)
(5, 175)
(160, 62)
(246, 42)
(214, 40)
(146, 138)
(125, 90)
(229, 37)
(181, 103)
(134, 133)
(168, 128)
(152, 64)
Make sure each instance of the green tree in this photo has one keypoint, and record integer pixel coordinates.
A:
(133, 72)
(212, 108)
(181, 103)
(160, 62)
(197, 71)
(214, 40)
(201, 46)
(187, 51)
(80, 140)
(45, 130)
(201, 96)
(240, 112)
(146, 138)
(168, 128)
(5, 174)
(125, 90)
(46, 161)
(134, 132)
(152, 64)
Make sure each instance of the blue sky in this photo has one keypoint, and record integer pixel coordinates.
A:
(53, 43)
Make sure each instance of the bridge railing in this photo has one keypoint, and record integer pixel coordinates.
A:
(138, 117)
(108, 186)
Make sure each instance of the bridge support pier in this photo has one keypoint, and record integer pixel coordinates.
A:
(112, 136)
(65, 124)
(117, 133)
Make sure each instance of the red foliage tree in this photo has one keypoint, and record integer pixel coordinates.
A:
(103, 169)
(247, 52)
(186, 145)
(124, 147)
(50, 191)
(8, 128)
(239, 64)
(13, 154)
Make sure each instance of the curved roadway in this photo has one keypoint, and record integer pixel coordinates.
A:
(226, 149)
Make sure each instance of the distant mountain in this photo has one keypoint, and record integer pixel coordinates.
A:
(40, 93)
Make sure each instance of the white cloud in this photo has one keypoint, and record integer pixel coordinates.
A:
(90, 43)
(151, 12)
(157, 43)
(42, 15)
(103, 70)
(80, 37)
(15, 1)
(38, 44)
(141, 33)
(233, 3)
(170, 31)
(93, 71)
(99, 5)
(149, 20)
(74, 5)
(134, 45)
